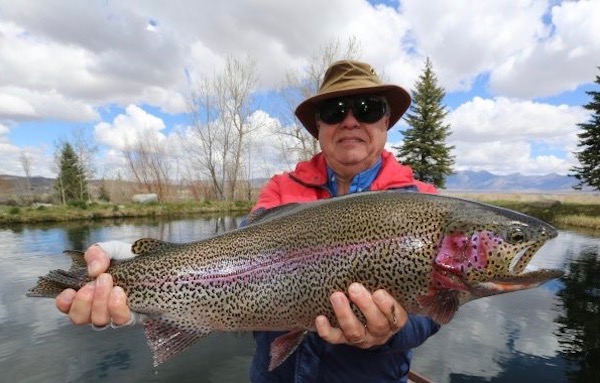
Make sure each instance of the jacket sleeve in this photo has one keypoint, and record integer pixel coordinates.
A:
(270, 195)
(416, 331)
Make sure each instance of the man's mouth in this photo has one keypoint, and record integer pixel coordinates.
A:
(344, 140)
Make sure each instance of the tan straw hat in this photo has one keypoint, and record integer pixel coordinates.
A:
(348, 77)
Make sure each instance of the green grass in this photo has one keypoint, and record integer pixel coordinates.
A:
(60, 213)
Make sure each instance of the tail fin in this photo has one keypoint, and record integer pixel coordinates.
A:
(50, 285)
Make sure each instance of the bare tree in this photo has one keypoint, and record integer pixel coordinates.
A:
(203, 148)
(220, 110)
(301, 85)
(149, 162)
(25, 159)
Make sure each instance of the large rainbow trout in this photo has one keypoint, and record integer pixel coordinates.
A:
(432, 253)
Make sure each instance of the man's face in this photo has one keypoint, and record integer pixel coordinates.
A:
(352, 145)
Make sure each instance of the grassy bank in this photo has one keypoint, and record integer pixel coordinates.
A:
(59, 213)
(564, 211)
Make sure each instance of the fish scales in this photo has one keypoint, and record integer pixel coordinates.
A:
(432, 253)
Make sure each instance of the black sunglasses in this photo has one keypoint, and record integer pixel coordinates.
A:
(367, 109)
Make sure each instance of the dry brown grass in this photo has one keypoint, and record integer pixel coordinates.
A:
(564, 210)
(575, 198)
(579, 221)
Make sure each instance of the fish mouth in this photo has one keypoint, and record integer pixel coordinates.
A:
(522, 281)
(521, 259)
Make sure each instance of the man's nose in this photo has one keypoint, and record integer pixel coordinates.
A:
(350, 120)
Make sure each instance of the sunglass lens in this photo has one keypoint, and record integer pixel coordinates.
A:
(368, 109)
(333, 111)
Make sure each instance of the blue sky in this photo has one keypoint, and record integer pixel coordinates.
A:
(515, 72)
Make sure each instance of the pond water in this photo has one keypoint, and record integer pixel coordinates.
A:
(548, 334)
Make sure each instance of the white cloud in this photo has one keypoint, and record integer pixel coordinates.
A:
(15, 107)
(566, 59)
(465, 38)
(482, 120)
(18, 103)
(127, 129)
(499, 134)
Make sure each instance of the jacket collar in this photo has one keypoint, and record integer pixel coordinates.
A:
(392, 174)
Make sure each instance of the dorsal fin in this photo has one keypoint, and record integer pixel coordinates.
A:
(264, 215)
(145, 246)
(78, 261)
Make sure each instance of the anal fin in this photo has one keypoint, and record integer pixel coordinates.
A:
(166, 339)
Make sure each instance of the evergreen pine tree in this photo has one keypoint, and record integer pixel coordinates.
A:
(71, 184)
(424, 147)
(589, 143)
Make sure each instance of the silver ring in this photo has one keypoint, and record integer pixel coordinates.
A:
(100, 328)
(132, 320)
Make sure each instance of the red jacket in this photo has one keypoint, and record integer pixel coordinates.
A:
(308, 182)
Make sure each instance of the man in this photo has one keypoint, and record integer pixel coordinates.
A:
(350, 116)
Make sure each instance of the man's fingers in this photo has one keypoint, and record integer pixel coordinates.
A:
(352, 328)
(117, 307)
(329, 334)
(395, 313)
(376, 321)
(97, 260)
(64, 300)
(81, 308)
(100, 315)
(384, 316)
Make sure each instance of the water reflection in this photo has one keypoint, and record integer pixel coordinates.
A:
(579, 324)
(548, 334)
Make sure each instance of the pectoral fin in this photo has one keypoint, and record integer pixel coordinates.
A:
(440, 305)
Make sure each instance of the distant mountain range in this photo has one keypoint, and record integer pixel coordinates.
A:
(476, 181)
(487, 182)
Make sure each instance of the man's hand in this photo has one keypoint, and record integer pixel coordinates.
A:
(99, 302)
(383, 314)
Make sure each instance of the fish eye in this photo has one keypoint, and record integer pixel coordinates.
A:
(516, 235)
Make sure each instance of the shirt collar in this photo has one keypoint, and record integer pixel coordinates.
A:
(361, 182)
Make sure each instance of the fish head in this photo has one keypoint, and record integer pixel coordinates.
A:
(484, 250)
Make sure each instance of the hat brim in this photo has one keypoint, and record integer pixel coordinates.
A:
(397, 97)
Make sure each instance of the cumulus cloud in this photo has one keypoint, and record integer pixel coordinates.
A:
(481, 120)
(127, 129)
(498, 135)
(558, 63)
(466, 38)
